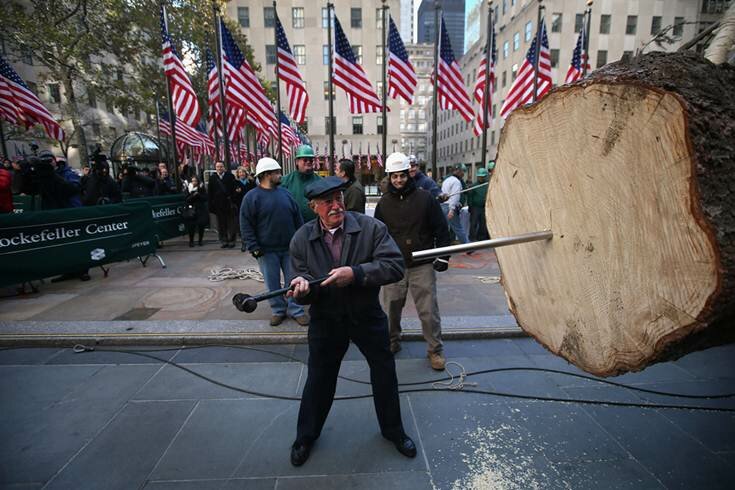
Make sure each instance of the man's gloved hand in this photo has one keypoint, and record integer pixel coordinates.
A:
(256, 253)
(443, 197)
(441, 265)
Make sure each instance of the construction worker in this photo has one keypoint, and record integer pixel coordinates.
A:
(296, 181)
(416, 222)
(476, 202)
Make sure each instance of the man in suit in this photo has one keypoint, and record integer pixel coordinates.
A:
(221, 187)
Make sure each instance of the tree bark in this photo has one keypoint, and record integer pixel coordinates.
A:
(76, 118)
(633, 170)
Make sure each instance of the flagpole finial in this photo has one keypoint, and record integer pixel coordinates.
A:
(590, 2)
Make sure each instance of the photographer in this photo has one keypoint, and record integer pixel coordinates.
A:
(164, 183)
(58, 187)
(101, 188)
(137, 185)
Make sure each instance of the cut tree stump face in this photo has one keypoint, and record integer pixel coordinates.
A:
(608, 168)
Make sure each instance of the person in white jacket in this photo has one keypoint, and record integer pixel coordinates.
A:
(452, 187)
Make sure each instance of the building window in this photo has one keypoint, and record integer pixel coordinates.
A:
(96, 130)
(119, 75)
(556, 22)
(299, 52)
(495, 111)
(356, 18)
(325, 54)
(304, 126)
(297, 17)
(269, 17)
(379, 55)
(655, 24)
(91, 99)
(379, 19)
(357, 50)
(270, 54)
(554, 58)
(627, 55)
(492, 138)
(357, 125)
(379, 89)
(506, 49)
(505, 78)
(53, 93)
(326, 91)
(113, 131)
(243, 16)
(26, 55)
(601, 58)
(631, 24)
(514, 71)
(605, 24)
(505, 6)
(678, 26)
(3, 49)
(380, 124)
(529, 31)
(516, 41)
(578, 22)
(325, 18)
(333, 129)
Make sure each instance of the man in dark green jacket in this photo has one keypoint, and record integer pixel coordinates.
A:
(296, 181)
(476, 203)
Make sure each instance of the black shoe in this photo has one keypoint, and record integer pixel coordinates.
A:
(243, 248)
(300, 453)
(64, 277)
(191, 244)
(224, 245)
(84, 277)
(200, 243)
(405, 446)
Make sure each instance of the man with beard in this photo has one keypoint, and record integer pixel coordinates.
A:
(359, 256)
(269, 217)
(416, 222)
(296, 181)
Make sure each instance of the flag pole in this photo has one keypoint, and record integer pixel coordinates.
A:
(171, 113)
(158, 129)
(330, 87)
(5, 148)
(385, 86)
(586, 47)
(223, 108)
(538, 50)
(435, 105)
(486, 87)
(278, 90)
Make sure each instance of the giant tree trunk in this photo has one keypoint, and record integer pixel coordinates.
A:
(634, 172)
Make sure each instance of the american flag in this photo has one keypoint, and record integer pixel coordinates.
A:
(318, 159)
(351, 77)
(521, 92)
(243, 87)
(214, 115)
(288, 135)
(579, 56)
(19, 105)
(185, 102)
(401, 75)
(197, 138)
(450, 86)
(479, 92)
(288, 71)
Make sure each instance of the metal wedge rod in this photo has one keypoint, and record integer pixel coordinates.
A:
(433, 253)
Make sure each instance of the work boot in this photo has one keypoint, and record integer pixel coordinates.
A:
(437, 361)
(277, 320)
(302, 320)
(395, 347)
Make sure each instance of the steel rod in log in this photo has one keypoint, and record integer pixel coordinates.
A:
(433, 253)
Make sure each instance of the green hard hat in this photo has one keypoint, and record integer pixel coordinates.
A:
(304, 151)
(482, 172)
(490, 165)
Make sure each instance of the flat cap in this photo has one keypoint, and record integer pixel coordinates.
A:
(324, 186)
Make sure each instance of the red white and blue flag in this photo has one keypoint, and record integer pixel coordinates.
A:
(18, 105)
(350, 76)
(579, 58)
(450, 86)
(402, 79)
(479, 91)
(521, 92)
(288, 72)
(185, 102)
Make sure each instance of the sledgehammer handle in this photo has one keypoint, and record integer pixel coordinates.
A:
(278, 292)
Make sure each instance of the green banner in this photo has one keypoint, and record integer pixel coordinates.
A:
(25, 203)
(166, 212)
(47, 243)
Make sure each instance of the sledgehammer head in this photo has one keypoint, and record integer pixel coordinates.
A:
(244, 302)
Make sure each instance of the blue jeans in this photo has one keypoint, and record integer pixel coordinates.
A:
(455, 224)
(271, 264)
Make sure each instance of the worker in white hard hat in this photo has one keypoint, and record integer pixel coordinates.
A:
(269, 217)
(416, 222)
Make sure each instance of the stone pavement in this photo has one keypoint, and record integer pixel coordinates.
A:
(105, 420)
(178, 304)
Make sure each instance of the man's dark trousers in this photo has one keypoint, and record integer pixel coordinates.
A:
(226, 225)
(327, 346)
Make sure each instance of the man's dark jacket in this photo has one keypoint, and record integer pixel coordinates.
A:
(220, 191)
(355, 197)
(370, 251)
(415, 220)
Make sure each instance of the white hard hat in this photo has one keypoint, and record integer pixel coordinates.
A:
(266, 164)
(396, 162)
